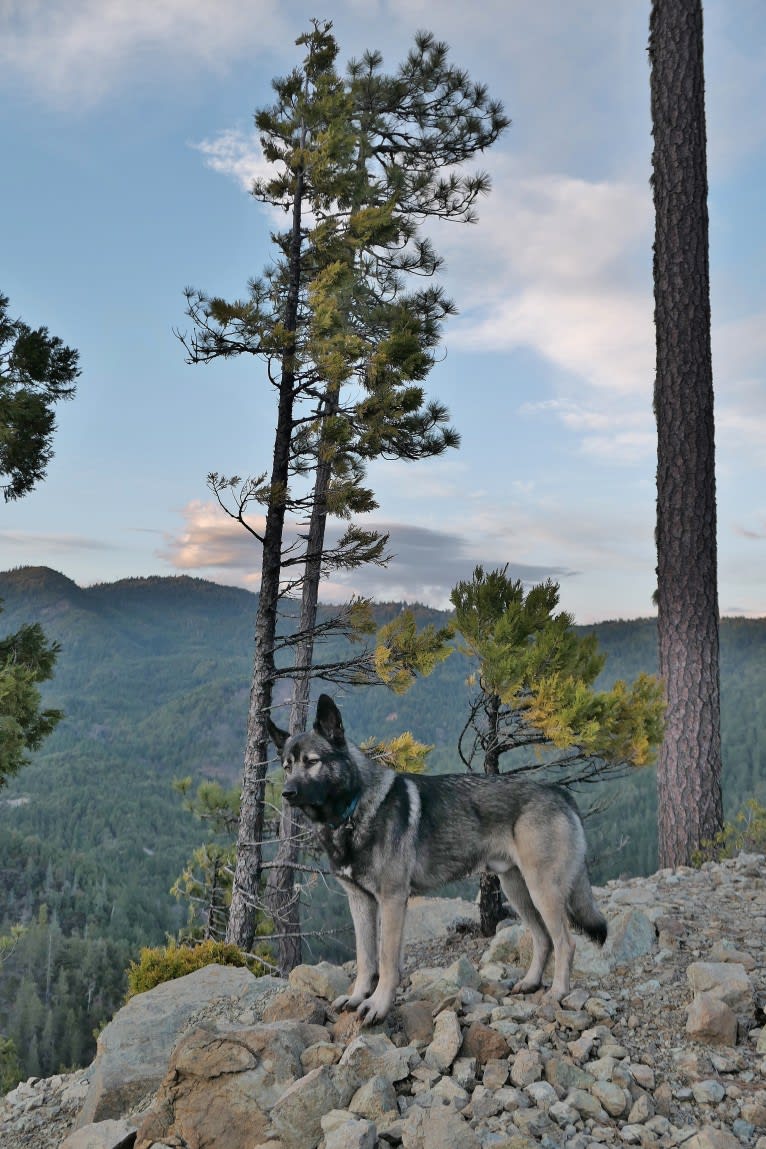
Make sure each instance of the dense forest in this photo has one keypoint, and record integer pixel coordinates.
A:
(153, 677)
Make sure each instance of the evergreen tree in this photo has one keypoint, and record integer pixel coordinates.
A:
(360, 163)
(26, 660)
(10, 1066)
(689, 797)
(36, 372)
(534, 688)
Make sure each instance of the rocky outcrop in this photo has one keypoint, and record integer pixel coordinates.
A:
(660, 1043)
(134, 1048)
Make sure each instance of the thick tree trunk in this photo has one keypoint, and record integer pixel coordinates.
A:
(689, 765)
(243, 913)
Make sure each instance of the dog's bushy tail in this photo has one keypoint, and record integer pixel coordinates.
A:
(584, 915)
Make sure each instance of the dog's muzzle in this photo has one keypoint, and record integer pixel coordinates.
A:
(290, 794)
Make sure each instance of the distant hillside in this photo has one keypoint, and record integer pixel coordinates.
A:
(154, 676)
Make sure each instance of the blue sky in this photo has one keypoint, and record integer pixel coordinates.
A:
(127, 144)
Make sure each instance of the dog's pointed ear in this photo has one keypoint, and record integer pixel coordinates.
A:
(328, 721)
(277, 736)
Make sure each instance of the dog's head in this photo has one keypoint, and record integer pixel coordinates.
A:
(320, 774)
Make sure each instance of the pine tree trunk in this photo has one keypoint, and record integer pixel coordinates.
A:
(284, 905)
(243, 913)
(490, 895)
(689, 764)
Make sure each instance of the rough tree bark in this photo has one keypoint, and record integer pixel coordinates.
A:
(689, 764)
(490, 895)
(243, 913)
(281, 896)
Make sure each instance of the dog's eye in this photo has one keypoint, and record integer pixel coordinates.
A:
(287, 765)
(311, 760)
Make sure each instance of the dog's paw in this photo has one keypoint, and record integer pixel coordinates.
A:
(348, 1001)
(526, 985)
(553, 996)
(375, 1008)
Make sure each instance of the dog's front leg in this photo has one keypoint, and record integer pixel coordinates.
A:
(392, 915)
(364, 914)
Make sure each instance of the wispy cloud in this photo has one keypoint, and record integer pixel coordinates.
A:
(83, 49)
(32, 543)
(425, 563)
(758, 533)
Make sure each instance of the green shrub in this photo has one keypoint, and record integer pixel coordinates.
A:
(10, 1067)
(164, 963)
(746, 832)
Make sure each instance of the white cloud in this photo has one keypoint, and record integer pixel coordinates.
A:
(558, 265)
(84, 48)
(210, 540)
(236, 154)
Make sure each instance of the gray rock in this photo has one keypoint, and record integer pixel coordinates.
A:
(374, 1053)
(727, 981)
(563, 1114)
(614, 1098)
(322, 980)
(526, 1067)
(221, 1085)
(496, 1072)
(708, 1092)
(352, 1134)
(447, 1130)
(464, 1070)
(631, 935)
(642, 1110)
(565, 1075)
(542, 1094)
(134, 1048)
(450, 1092)
(298, 1116)
(447, 1039)
(485, 1103)
(436, 984)
(319, 1054)
(511, 945)
(102, 1135)
(711, 1020)
(709, 1137)
(429, 918)
(586, 1104)
(374, 1098)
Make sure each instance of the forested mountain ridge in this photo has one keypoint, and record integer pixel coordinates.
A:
(153, 676)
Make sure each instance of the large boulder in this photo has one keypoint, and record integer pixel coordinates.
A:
(133, 1050)
(221, 1085)
(429, 918)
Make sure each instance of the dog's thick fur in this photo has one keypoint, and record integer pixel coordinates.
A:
(388, 835)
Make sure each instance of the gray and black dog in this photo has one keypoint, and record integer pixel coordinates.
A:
(388, 835)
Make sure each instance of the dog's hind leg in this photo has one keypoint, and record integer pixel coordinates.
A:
(392, 914)
(549, 896)
(364, 914)
(515, 890)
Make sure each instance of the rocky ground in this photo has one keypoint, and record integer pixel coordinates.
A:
(659, 1044)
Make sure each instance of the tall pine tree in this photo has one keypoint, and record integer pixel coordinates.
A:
(690, 808)
(360, 163)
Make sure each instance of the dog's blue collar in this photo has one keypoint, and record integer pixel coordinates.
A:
(348, 813)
